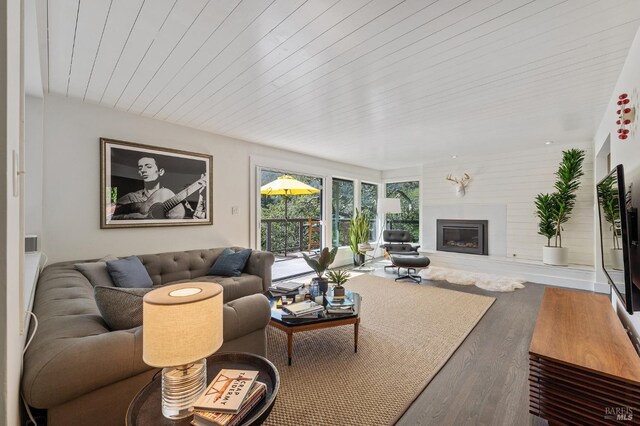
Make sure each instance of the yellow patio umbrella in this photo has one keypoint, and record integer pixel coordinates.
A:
(287, 186)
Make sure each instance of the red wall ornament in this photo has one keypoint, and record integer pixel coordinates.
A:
(626, 115)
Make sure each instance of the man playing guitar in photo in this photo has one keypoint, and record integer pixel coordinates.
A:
(154, 200)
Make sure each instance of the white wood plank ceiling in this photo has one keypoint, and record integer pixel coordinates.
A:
(377, 83)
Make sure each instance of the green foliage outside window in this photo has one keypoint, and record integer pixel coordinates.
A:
(298, 207)
(409, 218)
(343, 207)
(369, 204)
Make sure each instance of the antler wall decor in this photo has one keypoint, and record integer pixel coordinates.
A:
(460, 183)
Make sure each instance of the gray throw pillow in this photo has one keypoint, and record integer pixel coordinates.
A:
(121, 308)
(230, 263)
(129, 273)
(96, 272)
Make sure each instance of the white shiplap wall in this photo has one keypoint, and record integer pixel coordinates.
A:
(513, 179)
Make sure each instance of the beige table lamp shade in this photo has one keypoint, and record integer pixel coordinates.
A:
(182, 323)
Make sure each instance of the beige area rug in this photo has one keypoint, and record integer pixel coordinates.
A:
(407, 333)
(489, 282)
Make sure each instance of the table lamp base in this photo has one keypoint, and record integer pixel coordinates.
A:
(181, 387)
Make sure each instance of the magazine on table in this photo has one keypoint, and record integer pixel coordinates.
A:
(339, 301)
(288, 285)
(286, 315)
(227, 391)
(338, 310)
(277, 293)
(302, 308)
(209, 418)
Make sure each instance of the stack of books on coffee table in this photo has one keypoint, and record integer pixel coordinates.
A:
(285, 288)
(339, 305)
(230, 396)
(306, 309)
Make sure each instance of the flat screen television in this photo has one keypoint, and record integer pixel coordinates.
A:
(618, 236)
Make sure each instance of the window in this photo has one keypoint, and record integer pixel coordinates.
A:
(409, 218)
(290, 224)
(369, 203)
(342, 204)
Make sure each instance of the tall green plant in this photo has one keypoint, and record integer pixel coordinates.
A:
(545, 205)
(359, 231)
(554, 210)
(608, 196)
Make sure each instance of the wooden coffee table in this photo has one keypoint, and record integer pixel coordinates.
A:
(298, 325)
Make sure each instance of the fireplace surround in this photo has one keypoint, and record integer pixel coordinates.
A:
(463, 236)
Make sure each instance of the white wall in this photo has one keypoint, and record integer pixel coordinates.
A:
(502, 190)
(34, 146)
(625, 152)
(11, 89)
(72, 182)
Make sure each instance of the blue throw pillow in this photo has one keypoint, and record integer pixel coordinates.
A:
(230, 263)
(129, 273)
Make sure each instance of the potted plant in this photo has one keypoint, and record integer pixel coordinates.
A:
(320, 265)
(359, 233)
(608, 196)
(554, 210)
(338, 277)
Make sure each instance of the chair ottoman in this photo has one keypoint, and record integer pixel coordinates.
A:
(410, 262)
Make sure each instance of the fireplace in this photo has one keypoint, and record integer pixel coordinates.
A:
(463, 236)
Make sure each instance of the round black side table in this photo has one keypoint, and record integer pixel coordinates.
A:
(146, 407)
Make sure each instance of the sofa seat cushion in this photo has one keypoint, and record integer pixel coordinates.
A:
(233, 287)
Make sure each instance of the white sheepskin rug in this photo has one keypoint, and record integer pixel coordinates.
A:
(489, 282)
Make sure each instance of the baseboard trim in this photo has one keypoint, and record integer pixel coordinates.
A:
(580, 277)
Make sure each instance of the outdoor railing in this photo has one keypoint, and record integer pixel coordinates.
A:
(293, 235)
(286, 236)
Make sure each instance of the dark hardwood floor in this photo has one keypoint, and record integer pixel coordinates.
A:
(485, 380)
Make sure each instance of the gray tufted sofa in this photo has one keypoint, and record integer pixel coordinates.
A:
(84, 374)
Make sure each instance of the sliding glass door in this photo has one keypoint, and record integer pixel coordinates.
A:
(290, 220)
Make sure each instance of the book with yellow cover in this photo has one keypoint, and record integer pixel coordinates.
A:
(209, 418)
(227, 391)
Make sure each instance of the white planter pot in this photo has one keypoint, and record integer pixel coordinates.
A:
(616, 259)
(558, 256)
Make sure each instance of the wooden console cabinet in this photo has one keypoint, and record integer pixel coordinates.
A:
(583, 369)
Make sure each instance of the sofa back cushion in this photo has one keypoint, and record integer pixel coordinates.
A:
(230, 263)
(96, 272)
(129, 273)
(168, 267)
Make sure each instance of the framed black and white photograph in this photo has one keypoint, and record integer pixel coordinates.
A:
(143, 185)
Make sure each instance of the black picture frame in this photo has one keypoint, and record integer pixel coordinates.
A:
(143, 186)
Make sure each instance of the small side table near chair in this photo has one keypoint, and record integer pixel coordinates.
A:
(146, 407)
